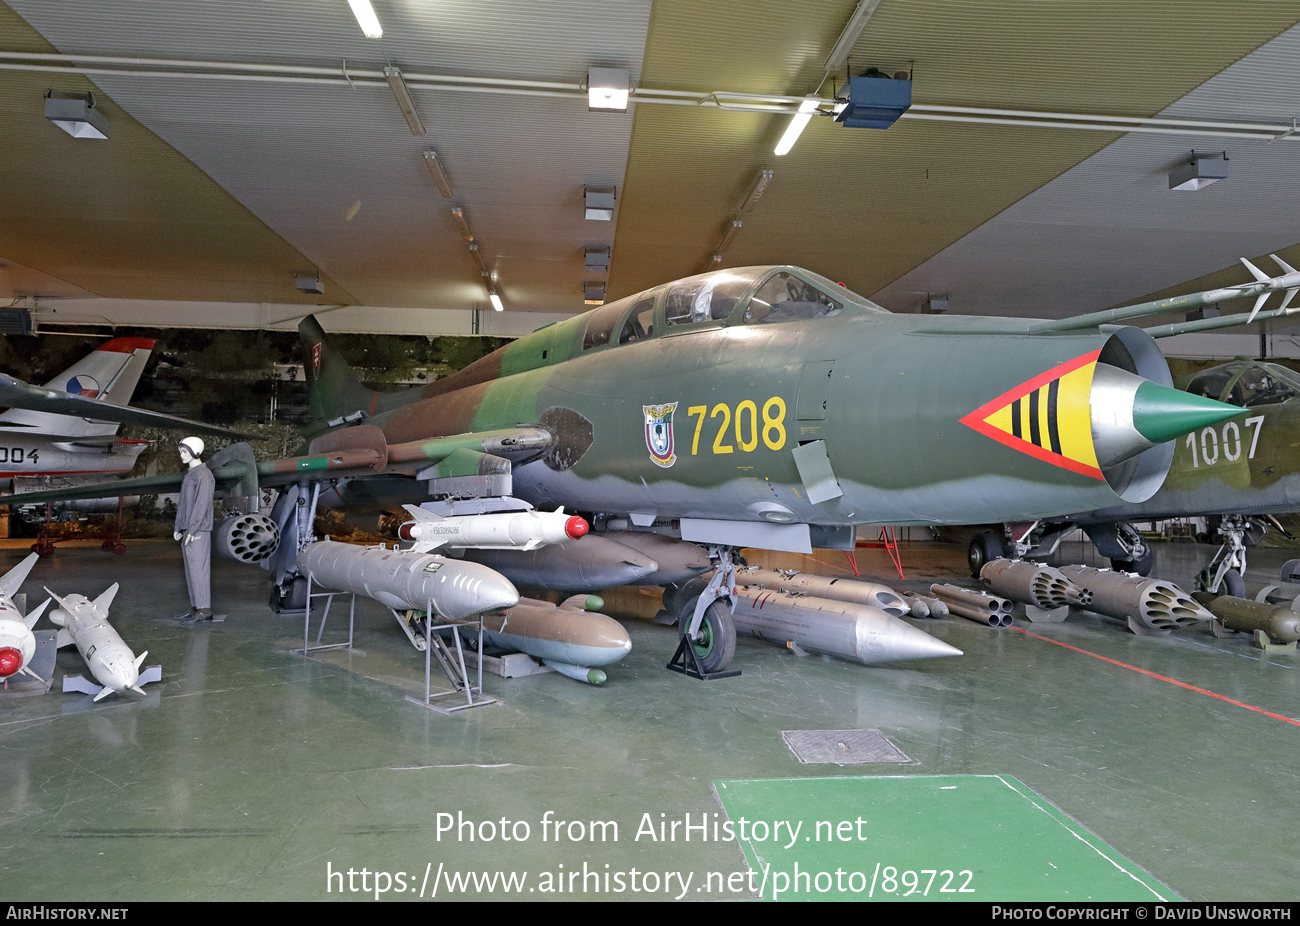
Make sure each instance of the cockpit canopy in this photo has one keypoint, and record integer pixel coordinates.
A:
(1247, 383)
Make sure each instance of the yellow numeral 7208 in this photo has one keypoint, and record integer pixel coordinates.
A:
(747, 428)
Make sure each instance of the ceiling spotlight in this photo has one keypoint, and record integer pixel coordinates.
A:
(1199, 172)
(458, 214)
(797, 124)
(76, 114)
(394, 77)
(607, 89)
(756, 193)
(593, 293)
(596, 260)
(600, 203)
(936, 303)
(366, 18)
(439, 176)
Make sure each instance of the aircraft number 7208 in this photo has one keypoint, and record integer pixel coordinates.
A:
(748, 427)
(1230, 443)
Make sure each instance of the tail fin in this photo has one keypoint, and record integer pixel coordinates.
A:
(107, 374)
(333, 389)
(12, 580)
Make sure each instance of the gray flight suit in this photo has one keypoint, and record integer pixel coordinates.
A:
(194, 522)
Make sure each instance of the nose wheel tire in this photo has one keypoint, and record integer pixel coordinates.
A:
(984, 548)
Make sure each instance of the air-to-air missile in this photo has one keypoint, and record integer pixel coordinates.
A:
(17, 644)
(836, 589)
(509, 530)
(1045, 591)
(402, 580)
(1150, 606)
(1266, 623)
(853, 631)
(588, 564)
(568, 637)
(677, 560)
(110, 660)
(977, 606)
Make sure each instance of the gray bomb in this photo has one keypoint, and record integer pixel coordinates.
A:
(678, 561)
(1045, 591)
(1151, 606)
(567, 637)
(402, 580)
(1280, 624)
(588, 564)
(836, 589)
(858, 632)
(980, 607)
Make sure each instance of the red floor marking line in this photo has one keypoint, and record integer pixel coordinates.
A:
(1163, 678)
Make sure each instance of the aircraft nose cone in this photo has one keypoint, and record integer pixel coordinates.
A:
(11, 660)
(1161, 413)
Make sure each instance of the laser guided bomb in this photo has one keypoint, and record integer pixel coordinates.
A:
(17, 644)
(587, 564)
(568, 637)
(977, 606)
(1149, 606)
(1045, 592)
(1266, 623)
(836, 589)
(859, 632)
(111, 662)
(402, 580)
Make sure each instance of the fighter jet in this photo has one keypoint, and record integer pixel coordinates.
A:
(766, 407)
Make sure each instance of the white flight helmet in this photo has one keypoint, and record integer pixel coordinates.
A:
(194, 445)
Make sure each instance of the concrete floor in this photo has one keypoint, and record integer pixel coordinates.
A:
(249, 773)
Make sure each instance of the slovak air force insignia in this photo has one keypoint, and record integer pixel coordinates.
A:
(659, 433)
(1048, 417)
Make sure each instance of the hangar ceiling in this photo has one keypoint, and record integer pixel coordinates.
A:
(220, 189)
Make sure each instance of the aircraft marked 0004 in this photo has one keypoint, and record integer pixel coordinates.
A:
(1048, 417)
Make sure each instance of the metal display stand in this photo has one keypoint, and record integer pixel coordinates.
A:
(307, 647)
(453, 665)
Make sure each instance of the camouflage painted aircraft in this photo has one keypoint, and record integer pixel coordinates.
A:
(770, 407)
(1244, 466)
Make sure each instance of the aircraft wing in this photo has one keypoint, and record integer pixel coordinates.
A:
(14, 393)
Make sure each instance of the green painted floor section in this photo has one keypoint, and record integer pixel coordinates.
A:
(250, 773)
(923, 838)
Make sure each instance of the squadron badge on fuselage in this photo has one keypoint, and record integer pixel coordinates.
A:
(659, 433)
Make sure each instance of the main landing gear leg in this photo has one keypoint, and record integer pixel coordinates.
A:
(708, 641)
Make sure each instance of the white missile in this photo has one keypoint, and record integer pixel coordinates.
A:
(17, 644)
(110, 660)
(402, 579)
(509, 530)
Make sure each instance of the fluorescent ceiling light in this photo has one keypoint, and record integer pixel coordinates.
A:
(600, 203)
(839, 55)
(459, 215)
(496, 302)
(593, 293)
(797, 123)
(76, 114)
(439, 176)
(756, 193)
(607, 88)
(394, 77)
(729, 237)
(596, 260)
(366, 18)
(1199, 172)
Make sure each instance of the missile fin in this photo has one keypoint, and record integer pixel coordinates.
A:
(34, 616)
(140, 659)
(1258, 274)
(103, 693)
(1290, 294)
(63, 639)
(27, 670)
(62, 604)
(420, 514)
(12, 580)
(1283, 264)
(105, 601)
(1259, 304)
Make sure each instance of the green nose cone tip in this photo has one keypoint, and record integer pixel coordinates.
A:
(1161, 413)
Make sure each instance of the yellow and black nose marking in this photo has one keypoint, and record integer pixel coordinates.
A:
(1048, 417)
